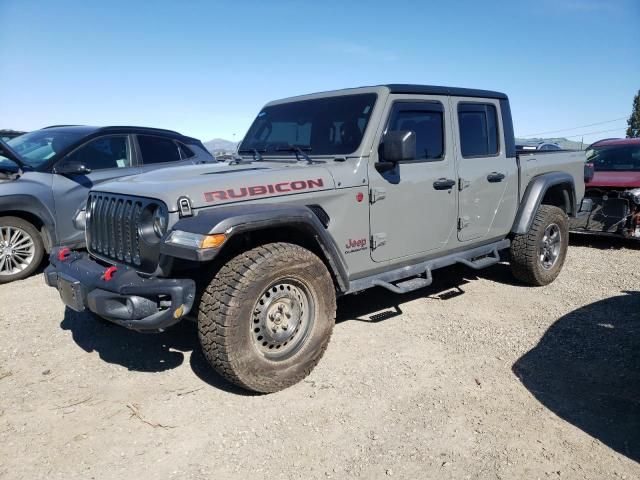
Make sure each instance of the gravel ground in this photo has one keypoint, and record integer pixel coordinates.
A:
(474, 377)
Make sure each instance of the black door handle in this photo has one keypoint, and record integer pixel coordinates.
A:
(444, 184)
(495, 177)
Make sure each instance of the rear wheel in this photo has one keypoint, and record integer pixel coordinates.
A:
(267, 316)
(538, 255)
(21, 249)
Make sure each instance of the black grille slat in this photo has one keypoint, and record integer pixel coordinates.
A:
(119, 230)
(113, 233)
(128, 230)
(111, 213)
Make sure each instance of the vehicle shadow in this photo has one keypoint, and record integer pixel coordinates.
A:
(447, 283)
(603, 242)
(586, 369)
(158, 352)
(144, 352)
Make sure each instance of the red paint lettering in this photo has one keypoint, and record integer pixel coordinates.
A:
(211, 196)
(280, 187)
(299, 185)
(234, 194)
(257, 190)
(315, 183)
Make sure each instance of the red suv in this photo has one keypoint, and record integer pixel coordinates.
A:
(612, 198)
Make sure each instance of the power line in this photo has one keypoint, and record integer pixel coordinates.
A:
(593, 133)
(575, 128)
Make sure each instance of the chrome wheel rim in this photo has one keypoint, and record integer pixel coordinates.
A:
(16, 250)
(282, 319)
(550, 246)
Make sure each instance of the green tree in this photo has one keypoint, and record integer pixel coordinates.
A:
(634, 120)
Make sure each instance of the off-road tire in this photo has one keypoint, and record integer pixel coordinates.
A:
(227, 315)
(526, 264)
(38, 247)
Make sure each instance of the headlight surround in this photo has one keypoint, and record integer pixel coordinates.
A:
(195, 240)
(159, 221)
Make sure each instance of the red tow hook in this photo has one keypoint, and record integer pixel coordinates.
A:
(63, 254)
(108, 273)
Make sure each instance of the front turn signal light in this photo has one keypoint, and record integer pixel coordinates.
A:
(196, 240)
(213, 241)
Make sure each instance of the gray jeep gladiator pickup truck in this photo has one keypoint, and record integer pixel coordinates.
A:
(329, 194)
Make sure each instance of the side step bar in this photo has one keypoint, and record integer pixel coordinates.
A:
(476, 258)
(406, 286)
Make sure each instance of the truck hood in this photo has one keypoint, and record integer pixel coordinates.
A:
(220, 183)
(615, 180)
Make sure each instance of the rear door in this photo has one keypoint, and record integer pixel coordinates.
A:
(108, 157)
(413, 206)
(159, 152)
(488, 180)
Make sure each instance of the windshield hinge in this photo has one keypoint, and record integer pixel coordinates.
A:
(377, 194)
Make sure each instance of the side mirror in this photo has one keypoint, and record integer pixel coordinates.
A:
(589, 172)
(399, 145)
(72, 168)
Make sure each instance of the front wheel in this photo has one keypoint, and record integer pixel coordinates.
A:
(267, 316)
(538, 255)
(21, 249)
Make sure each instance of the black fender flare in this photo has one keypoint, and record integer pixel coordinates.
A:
(534, 194)
(237, 219)
(31, 205)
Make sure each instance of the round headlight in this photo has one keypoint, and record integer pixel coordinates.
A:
(159, 221)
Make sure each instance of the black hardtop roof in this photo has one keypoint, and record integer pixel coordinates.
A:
(439, 90)
(88, 130)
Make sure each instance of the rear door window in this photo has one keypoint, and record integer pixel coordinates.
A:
(478, 123)
(158, 150)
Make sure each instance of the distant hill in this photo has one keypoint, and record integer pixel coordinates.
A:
(220, 145)
(563, 142)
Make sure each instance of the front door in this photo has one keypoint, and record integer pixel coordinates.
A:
(413, 206)
(107, 157)
(488, 179)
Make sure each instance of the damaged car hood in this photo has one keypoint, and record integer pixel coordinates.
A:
(216, 184)
(620, 179)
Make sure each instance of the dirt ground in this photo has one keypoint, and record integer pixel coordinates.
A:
(474, 377)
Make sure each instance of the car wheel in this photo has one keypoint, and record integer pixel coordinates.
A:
(266, 318)
(538, 255)
(21, 249)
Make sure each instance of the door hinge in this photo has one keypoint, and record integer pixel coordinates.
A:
(462, 184)
(463, 223)
(376, 194)
(378, 240)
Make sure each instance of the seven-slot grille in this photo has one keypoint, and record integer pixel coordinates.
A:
(112, 227)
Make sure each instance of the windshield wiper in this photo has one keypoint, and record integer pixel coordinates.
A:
(299, 152)
(257, 156)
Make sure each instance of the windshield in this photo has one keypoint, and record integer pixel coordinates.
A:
(323, 126)
(615, 158)
(37, 147)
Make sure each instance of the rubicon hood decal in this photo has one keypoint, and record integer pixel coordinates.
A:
(261, 190)
(220, 184)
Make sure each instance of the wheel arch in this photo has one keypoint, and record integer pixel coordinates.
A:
(33, 211)
(248, 226)
(555, 189)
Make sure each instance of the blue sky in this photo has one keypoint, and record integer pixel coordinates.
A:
(206, 67)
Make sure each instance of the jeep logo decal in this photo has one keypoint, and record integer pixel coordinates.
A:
(259, 190)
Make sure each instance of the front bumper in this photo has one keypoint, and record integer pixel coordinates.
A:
(124, 297)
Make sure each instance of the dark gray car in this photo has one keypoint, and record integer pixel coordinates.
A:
(45, 177)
